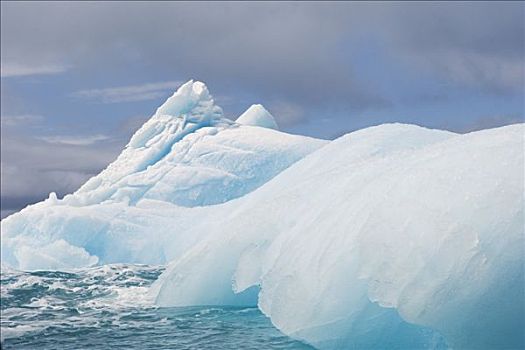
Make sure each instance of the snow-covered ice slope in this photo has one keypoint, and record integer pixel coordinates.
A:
(187, 155)
(389, 237)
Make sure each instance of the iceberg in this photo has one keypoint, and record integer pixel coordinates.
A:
(394, 236)
(188, 155)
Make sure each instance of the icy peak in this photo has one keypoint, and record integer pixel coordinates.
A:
(191, 98)
(257, 115)
(188, 109)
(187, 154)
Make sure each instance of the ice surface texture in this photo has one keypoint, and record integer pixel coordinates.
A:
(394, 236)
(383, 229)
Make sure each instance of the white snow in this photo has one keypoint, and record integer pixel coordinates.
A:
(394, 236)
(257, 115)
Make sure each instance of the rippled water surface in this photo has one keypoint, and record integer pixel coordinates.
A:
(107, 308)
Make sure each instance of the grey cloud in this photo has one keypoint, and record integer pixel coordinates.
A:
(19, 183)
(84, 140)
(11, 69)
(282, 47)
(287, 113)
(30, 168)
(269, 42)
(494, 28)
(476, 44)
(20, 120)
(32, 153)
(147, 91)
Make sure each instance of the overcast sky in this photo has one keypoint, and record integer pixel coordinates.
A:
(78, 78)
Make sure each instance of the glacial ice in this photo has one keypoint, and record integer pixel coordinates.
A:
(394, 236)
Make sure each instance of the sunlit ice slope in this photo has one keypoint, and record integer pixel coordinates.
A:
(188, 155)
(394, 236)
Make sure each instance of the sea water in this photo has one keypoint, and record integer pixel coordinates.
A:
(107, 307)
